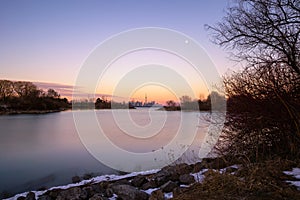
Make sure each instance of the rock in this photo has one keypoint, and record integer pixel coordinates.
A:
(164, 175)
(149, 184)
(76, 179)
(138, 181)
(73, 193)
(100, 187)
(109, 192)
(84, 194)
(121, 182)
(30, 196)
(161, 179)
(157, 195)
(88, 190)
(45, 197)
(179, 190)
(21, 198)
(183, 168)
(198, 167)
(98, 197)
(171, 173)
(63, 198)
(87, 176)
(186, 179)
(42, 188)
(215, 163)
(127, 192)
(54, 193)
(169, 186)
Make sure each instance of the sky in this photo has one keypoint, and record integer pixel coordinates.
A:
(47, 42)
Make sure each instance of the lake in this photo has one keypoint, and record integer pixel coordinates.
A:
(45, 150)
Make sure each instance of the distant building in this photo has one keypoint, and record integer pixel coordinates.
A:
(144, 104)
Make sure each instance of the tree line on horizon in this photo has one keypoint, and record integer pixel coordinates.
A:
(26, 96)
(186, 103)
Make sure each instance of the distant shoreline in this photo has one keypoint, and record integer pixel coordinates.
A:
(33, 112)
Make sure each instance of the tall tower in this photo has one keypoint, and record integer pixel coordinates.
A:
(145, 99)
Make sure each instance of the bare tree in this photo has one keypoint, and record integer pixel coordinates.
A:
(262, 32)
(263, 112)
(25, 89)
(186, 103)
(6, 89)
(171, 103)
(52, 93)
(263, 99)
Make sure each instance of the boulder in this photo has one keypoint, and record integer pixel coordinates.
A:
(30, 196)
(138, 181)
(179, 190)
(199, 166)
(186, 179)
(52, 193)
(161, 176)
(157, 195)
(169, 186)
(149, 184)
(128, 192)
(76, 179)
(109, 193)
(88, 190)
(45, 197)
(183, 168)
(215, 163)
(121, 182)
(87, 176)
(73, 193)
(172, 173)
(98, 197)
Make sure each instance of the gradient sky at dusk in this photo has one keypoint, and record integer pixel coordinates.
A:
(47, 41)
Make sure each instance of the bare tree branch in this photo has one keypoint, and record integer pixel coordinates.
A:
(269, 28)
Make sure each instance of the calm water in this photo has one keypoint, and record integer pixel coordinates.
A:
(45, 150)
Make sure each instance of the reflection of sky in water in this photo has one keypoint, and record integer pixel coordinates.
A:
(36, 146)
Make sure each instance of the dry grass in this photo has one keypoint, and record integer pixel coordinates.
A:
(252, 181)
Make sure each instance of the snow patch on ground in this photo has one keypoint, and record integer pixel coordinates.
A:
(199, 176)
(295, 183)
(149, 191)
(295, 173)
(169, 195)
(97, 179)
(184, 186)
(114, 197)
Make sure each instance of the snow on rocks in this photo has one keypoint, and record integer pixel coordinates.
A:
(165, 183)
(94, 180)
(199, 176)
(296, 174)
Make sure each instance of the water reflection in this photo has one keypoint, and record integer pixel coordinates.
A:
(45, 150)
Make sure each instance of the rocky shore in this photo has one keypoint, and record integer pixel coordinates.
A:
(212, 177)
(165, 183)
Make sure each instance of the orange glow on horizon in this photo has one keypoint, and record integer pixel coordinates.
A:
(155, 93)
